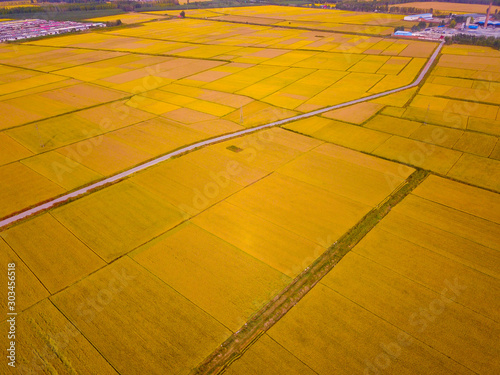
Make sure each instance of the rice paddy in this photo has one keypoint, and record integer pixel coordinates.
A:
(155, 271)
(119, 288)
(43, 239)
(403, 291)
(227, 296)
(88, 98)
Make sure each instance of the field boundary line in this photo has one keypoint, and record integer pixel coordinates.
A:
(70, 321)
(394, 325)
(115, 178)
(439, 254)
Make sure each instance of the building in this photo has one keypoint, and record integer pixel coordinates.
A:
(491, 23)
(418, 17)
(403, 33)
(34, 28)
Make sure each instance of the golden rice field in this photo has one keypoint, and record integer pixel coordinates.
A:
(267, 354)
(154, 272)
(54, 343)
(188, 332)
(451, 125)
(14, 6)
(17, 2)
(49, 240)
(450, 7)
(399, 300)
(242, 219)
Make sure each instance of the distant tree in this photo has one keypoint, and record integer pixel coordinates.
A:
(422, 25)
(399, 28)
(113, 23)
(453, 23)
(183, 14)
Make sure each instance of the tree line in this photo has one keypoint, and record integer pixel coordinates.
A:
(473, 40)
(56, 8)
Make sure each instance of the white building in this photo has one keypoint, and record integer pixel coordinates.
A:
(416, 17)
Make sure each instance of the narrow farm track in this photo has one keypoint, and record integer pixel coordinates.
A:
(110, 180)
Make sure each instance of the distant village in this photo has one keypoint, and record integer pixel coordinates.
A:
(34, 28)
(430, 27)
